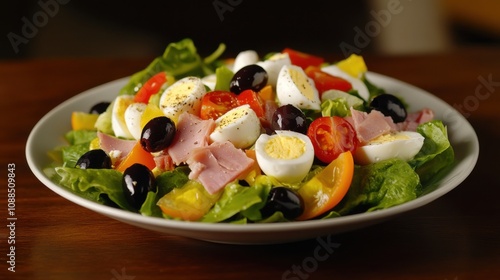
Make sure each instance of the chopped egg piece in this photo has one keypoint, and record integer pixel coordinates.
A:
(286, 155)
(133, 116)
(273, 66)
(294, 87)
(403, 145)
(245, 58)
(118, 122)
(240, 126)
(183, 96)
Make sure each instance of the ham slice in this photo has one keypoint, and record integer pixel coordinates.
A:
(415, 119)
(217, 165)
(192, 132)
(369, 126)
(164, 162)
(115, 147)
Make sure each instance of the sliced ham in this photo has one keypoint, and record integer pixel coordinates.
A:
(164, 162)
(115, 146)
(415, 119)
(217, 165)
(192, 132)
(369, 126)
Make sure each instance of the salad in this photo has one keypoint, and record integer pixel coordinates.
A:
(283, 137)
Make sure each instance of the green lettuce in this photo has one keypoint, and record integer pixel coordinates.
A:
(335, 107)
(242, 201)
(165, 182)
(436, 155)
(179, 60)
(103, 186)
(378, 186)
(223, 78)
(79, 143)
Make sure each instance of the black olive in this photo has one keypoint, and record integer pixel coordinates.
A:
(390, 106)
(99, 108)
(137, 181)
(289, 117)
(285, 200)
(157, 134)
(94, 159)
(252, 77)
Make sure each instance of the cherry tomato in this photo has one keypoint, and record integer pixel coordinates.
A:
(216, 103)
(324, 81)
(137, 155)
(303, 59)
(150, 87)
(326, 189)
(332, 136)
(253, 99)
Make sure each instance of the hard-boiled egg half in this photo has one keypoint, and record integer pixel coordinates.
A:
(403, 145)
(241, 126)
(286, 155)
(245, 58)
(118, 123)
(273, 66)
(294, 87)
(183, 96)
(356, 83)
(133, 116)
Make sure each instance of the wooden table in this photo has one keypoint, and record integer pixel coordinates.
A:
(456, 237)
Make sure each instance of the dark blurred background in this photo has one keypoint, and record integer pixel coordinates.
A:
(61, 28)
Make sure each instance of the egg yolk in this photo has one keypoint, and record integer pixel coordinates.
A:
(285, 147)
(179, 94)
(301, 81)
(231, 117)
(389, 138)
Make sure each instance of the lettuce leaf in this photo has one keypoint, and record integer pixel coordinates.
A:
(103, 186)
(240, 200)
(436, 154)
(379, 185)
(165, 182)
(179, 60)
(79, 143)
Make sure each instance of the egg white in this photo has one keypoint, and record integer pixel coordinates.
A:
(240, 125)
(245, 58)
(183, 96)
(133, 115)
(284, 169)
(403, 145)
(273, 66)
(295, 87)
(118, 124)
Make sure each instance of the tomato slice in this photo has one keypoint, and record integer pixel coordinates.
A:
(332, 136)
(137, 155)
(303, 59)
(327, 188)
(216, 103)
(151, 87)
(253, 99)
(324, 81)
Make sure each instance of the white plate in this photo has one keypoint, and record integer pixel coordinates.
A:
(48, 133)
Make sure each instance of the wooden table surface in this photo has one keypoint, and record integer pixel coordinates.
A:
(455, 237)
